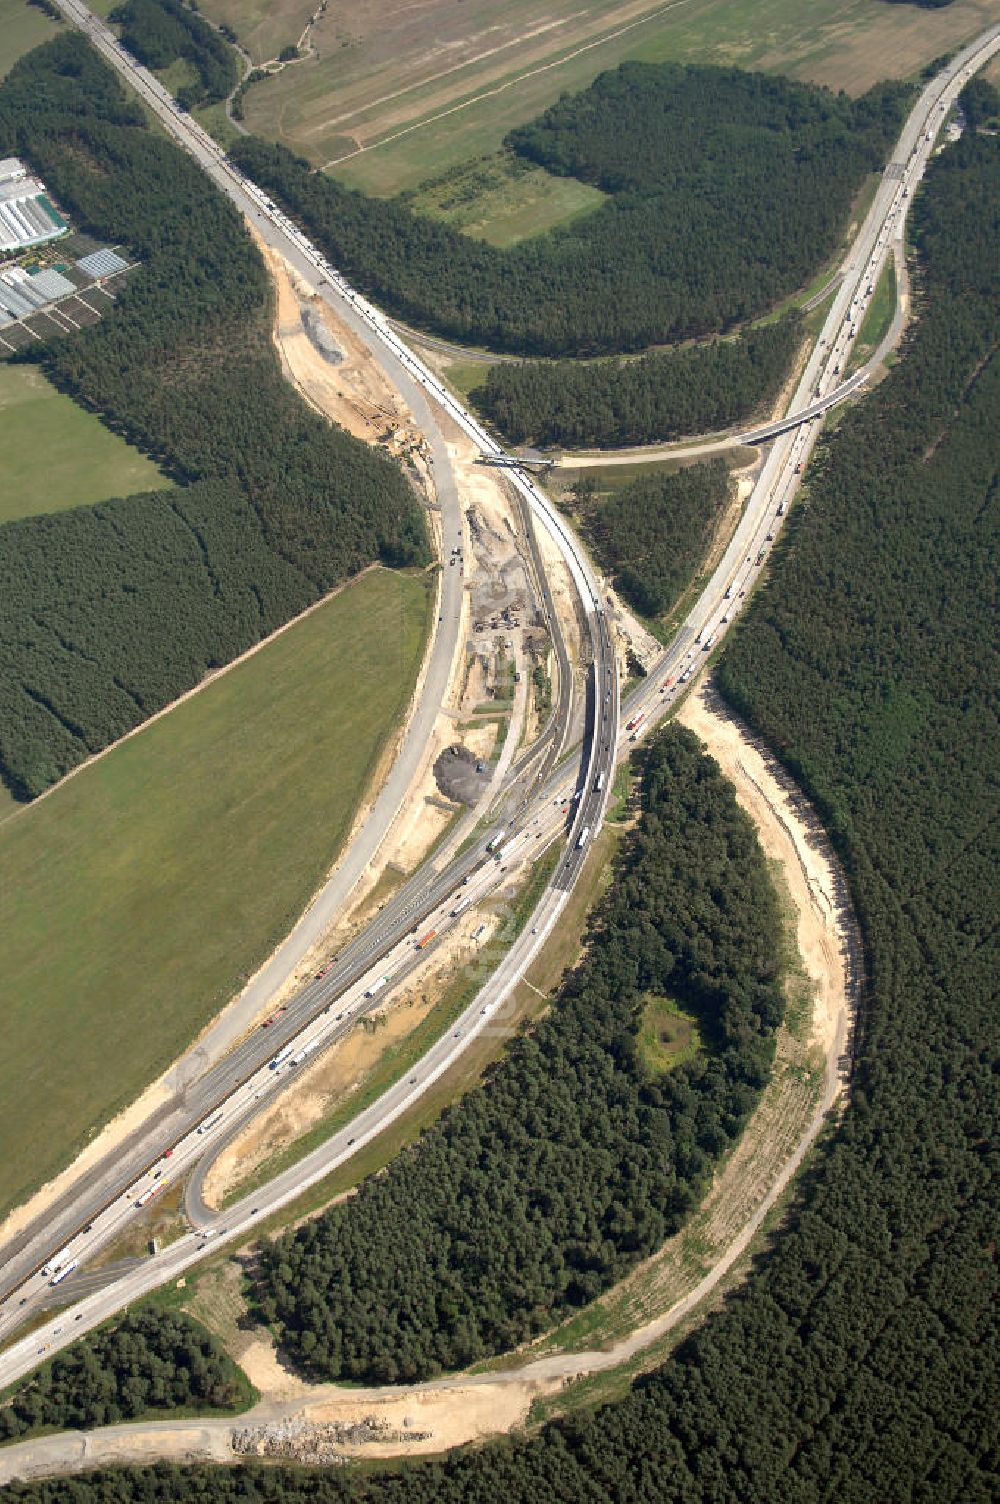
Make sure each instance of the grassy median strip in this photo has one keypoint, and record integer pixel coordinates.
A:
(876, 323)
(146, 889)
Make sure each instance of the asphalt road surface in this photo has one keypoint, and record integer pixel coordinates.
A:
(543, 820)
(80, 1213)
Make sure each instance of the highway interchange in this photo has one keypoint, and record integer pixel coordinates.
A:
(567, 802)
(84, 1219)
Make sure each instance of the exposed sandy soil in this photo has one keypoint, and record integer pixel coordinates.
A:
(439, 1418)
(480, 739)
(563, 595)
(333, 1077)
(452, 1416)
(783, 400)
(788, 838)
(354, 392)
(729, 520)
(340, 1071)
(422, 820)
(631, 632)
(259, 1361)
(453, 1410)
(423, 816)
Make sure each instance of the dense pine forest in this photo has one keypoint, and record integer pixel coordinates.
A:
(150, 1361)
(727, 191)
(540, 1188)
(980, 104)
(158, 32)
(652, 534)
(859, 1362)
(108, 613)
(659, 396)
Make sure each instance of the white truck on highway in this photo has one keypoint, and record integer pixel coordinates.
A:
(66, 1269)
(55, 1263)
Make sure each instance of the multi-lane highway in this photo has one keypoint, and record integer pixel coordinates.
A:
(353, 980)
(86, 1217)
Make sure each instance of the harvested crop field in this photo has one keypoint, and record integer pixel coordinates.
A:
(389, 95)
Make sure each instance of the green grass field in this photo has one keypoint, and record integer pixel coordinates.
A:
(21, 28)
(667, 1036)
(417, 113)
(179, 74)
(140, 893)
(501, 200)
(463, 376)
(54, 454)
(263, 26)
(214, 119)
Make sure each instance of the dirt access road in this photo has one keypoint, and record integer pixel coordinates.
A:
(448, 1412)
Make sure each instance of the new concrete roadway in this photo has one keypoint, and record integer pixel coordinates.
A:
(80, 1215)
(708, 621)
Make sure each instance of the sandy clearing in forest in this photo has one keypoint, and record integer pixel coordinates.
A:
(440, 1417)
(785, 836)
(452, 1416)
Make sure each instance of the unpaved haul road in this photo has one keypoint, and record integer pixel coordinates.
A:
(704, 628)
(827, 937)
